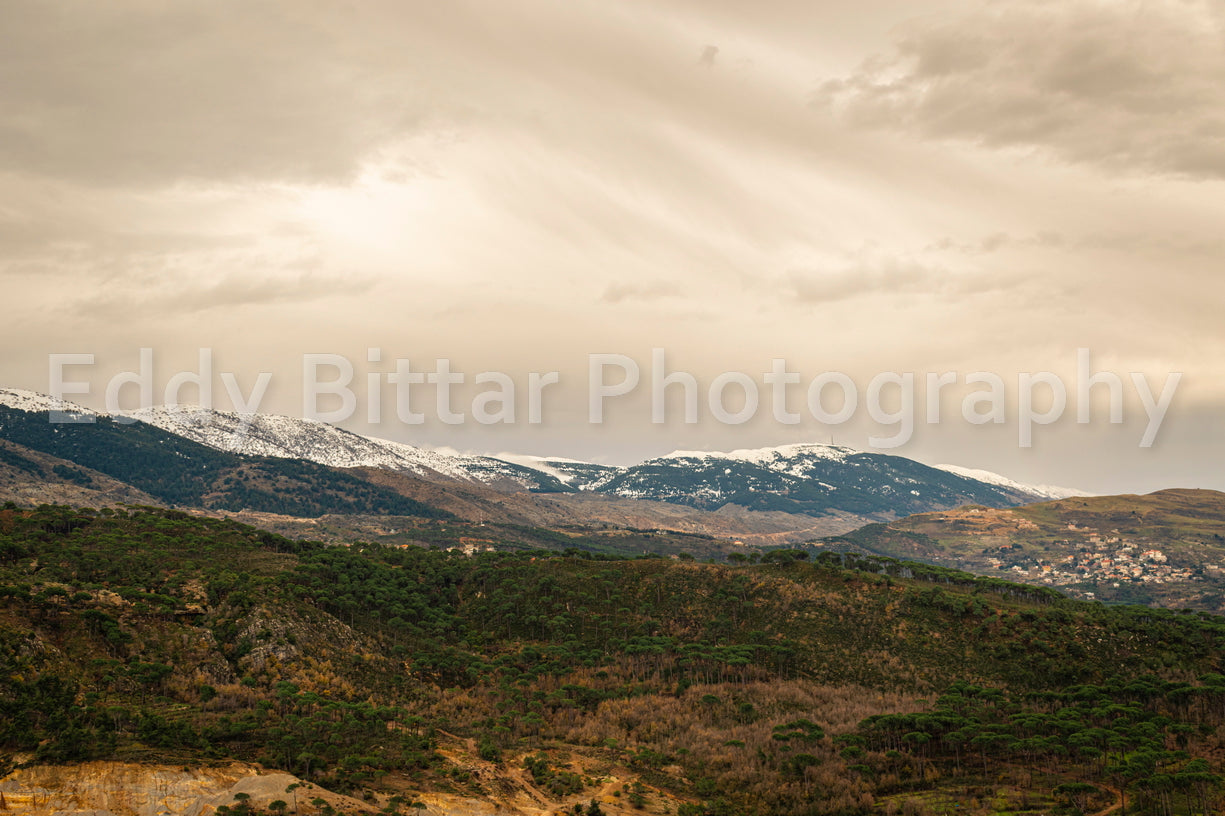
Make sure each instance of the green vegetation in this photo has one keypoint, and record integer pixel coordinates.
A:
(796, 685)
(1129, 736)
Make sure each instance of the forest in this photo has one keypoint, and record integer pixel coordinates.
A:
(795, 683)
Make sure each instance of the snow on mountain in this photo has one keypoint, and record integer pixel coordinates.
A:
(798, 460)
(576, 473)
(290, 438)
(783, 458)
(986, 476)
(813, 479)
(32, 401)
(809, 478)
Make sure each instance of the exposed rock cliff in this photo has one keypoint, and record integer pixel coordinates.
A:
(129, 789)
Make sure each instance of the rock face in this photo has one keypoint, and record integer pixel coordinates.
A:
(116, 788)
(127, 789)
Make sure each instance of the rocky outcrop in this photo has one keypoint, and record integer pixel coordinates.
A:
(128, 789)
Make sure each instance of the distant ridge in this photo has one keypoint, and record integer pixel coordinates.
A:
(809, 479)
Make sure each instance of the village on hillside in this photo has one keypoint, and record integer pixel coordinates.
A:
(1110, 560)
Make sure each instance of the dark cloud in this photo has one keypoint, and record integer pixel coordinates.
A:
(1136, 87)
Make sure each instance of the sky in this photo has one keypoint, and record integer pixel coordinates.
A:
(859, 190)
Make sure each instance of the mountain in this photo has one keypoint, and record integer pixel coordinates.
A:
(109, 462)
(769, 495)
(31, 401)
(1166, 548)
(288, 438)
(178, 471)
(802, 478)
(810, 479)
(151, 661)
(281, 437)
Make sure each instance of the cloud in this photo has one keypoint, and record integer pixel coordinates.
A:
(619, 292)
(1135, 87)
(844, 284)
(868, 273)
(234, 291)
(157, 276)
(228, 291)
(140, 93)
(1158, 245)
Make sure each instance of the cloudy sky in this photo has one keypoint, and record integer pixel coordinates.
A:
(867, 187)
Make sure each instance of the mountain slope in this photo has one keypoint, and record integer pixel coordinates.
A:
(32, 401)
(805, 479)
(189, 475)
(288, 438)
(988, 477)
(31, 478)
(1166, 548)
(527, 683)
(811, 479)
(178, 471)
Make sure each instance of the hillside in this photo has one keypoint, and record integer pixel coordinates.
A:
(1166, 548)
(31, 478)
(530, 683)
(178, 471)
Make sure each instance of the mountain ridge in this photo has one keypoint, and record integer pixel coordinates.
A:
(289, 438)
(805, 478)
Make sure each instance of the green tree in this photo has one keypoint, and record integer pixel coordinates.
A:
(1076, 794)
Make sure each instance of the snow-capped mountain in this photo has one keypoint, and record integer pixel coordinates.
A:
(797, 461)
(807, 479)
(812, 479)
(32, 401)
(289, 438)
(1042, 491)
(285, 437)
